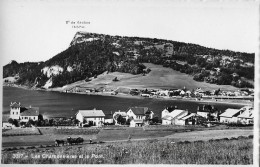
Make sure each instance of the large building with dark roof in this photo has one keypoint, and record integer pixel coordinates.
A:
(24, 114)
(30, 113)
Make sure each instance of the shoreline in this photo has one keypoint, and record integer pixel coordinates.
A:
(123, 95)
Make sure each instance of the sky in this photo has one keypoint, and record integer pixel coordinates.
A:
(37, 30)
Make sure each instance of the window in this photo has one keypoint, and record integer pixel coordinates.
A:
(13, 113)
(34, 118)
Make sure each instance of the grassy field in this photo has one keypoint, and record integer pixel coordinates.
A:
(178, 133)
(48, 137)
(159, 77)
(21, 132)
(222, 151)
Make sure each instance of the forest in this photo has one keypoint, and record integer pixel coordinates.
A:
(91, 54)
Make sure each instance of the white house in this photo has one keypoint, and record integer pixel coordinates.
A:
(163, 92)
(109, 118)
(15, 109)
(30, 113)
(247, 117)
(190, 119)
(5, 123)
(208, 112)
(230, 115)
(91, 117)
(172, 116)
(139, 115)
(24, 114)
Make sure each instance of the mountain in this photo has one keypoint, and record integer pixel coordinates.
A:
(91, 54)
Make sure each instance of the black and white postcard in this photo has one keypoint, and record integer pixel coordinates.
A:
(129, 82)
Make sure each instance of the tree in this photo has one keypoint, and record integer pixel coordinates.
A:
(224, 79)
(155, 120)
(217, 92)
(121, 120)
(29, 123)
(40, 117)
(16, 123)
(76, 121)
(51, 122)
(10, 120)
(84, 121)
(129, 120)
(39, 123)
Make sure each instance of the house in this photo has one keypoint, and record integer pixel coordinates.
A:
(230, 115)
(191, 119)
(145, 95)
(109, 118)
(5, 123)
(172, 115)
(24, 114)
(30, 113)
(247, 117)
(138, 115)
(15, 110)
(135, 122)
(163, 92)
(208, 112)
(117, 114)
(90, 117)
(182, 93)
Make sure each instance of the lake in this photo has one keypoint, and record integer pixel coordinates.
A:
(53, 104)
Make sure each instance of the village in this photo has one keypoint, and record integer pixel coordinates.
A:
(184, 93)
(21, 117)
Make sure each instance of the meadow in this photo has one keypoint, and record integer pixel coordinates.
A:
(21, 132)
(220, 151)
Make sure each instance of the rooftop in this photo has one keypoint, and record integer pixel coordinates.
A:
(175, 113)
(30, 111)
(15, 104)
(247, 114)
(230, 112)
(139, 110)
(91, 113)
(123, 114)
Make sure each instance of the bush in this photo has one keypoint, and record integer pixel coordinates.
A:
(241, 137)
(225, 139)
(251, 136)
(233, 138)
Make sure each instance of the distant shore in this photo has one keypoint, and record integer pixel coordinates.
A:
(123, 95)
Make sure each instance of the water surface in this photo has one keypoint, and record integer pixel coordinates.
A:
(67, 104)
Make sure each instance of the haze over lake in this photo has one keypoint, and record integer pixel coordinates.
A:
(54, 104)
